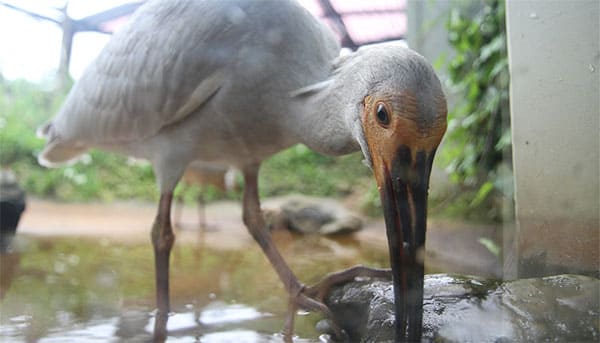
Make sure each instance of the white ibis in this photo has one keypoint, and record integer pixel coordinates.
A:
(235, 81)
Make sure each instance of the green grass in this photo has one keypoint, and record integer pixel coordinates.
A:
(300, 169)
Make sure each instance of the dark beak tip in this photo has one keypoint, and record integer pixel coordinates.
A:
(405, 211)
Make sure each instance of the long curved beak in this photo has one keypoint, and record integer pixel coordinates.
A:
(403, 185)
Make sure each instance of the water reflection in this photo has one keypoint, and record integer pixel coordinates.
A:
(90, 290)
(94, 331)
(245, 336)
(9, 265)
(221, 313)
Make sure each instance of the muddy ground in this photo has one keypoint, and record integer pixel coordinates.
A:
(452, 246)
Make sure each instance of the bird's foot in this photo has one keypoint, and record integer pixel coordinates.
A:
(320, 290)
(300, 300)
(312, 298)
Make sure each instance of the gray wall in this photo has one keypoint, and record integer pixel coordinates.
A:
(554, 64)
(427, 32)
(428, 36)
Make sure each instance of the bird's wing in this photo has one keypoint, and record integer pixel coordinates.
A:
(158, 69)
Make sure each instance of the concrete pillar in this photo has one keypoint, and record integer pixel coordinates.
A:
(554, 64)
(426, 23)
(427, 35)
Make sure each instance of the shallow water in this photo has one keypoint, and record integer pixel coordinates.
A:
(99, 290)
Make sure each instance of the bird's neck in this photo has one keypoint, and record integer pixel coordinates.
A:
(324, 123)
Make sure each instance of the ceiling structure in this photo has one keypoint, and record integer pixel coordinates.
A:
(356, 22)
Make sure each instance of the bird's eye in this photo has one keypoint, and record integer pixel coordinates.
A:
(382, 115)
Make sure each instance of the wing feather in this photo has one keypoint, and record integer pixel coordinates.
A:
(154, 72)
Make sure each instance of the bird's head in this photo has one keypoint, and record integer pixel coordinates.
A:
(403, 120)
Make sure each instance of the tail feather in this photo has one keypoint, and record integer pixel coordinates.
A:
(57, 152)
(44, 130)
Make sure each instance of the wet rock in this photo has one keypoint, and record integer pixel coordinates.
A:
(12, 205)
(563, 308)
(310, 215)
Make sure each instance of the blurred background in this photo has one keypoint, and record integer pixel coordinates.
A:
(514, 191)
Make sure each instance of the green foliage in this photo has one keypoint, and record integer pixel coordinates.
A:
(20, 105)
(23, 108)
(300, 169)
(478, 138)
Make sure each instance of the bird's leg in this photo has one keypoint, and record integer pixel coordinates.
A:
(201, 210)
(178, 207)
(255, 223)
(288, 327)
(320, 290)
(162, 241)
(258, 229)
(179, 204)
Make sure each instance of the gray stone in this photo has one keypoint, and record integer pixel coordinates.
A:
(310, 215)
(12, 205)
(563, 308)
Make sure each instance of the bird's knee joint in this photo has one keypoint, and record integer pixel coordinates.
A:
(253, 222)
(166, 242)
(247, 221)
(297, 290)
(162, 241)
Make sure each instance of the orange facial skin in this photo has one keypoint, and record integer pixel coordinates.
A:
(405, 128)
